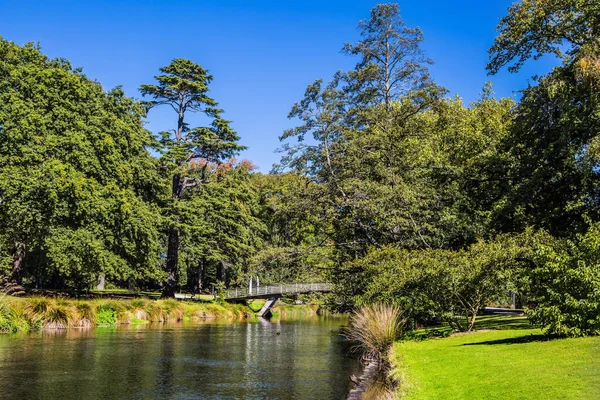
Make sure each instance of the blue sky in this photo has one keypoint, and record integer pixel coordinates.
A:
(262, 53)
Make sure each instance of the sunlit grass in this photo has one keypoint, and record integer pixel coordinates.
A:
(513, 362)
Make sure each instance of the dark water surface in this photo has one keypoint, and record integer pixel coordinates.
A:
(213, 360)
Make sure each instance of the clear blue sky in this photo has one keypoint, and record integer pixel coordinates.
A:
(262, 53)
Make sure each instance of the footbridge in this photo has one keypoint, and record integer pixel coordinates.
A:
(273, 293)
(276, 291)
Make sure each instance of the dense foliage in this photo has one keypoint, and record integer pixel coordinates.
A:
(387, 187)
(76, 181)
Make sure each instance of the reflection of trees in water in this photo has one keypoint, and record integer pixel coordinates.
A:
(211, 361)
(165, 379)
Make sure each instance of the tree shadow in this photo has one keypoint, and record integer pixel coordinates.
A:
(515, 340)
(499, 321)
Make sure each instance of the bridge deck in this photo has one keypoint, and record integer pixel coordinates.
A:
(276, 290)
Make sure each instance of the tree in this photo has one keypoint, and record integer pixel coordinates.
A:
(447, 285)
(183, 85)
(221, 230)
(321, 113)
(77, 184)
(392, 64)
(296, 245)
(533, 28)
(566, 274)
(551, 152)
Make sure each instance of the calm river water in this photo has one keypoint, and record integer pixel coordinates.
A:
(212, 360)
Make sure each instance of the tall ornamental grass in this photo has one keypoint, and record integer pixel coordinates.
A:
(374, 328)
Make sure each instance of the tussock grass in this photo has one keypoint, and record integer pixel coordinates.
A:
(374, 328)
(380, 389)
(23, 314)
(87, 314)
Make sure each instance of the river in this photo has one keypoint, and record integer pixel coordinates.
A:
(288, 359)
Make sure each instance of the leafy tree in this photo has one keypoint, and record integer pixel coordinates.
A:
(296, 243)
(566, 283)
(221, 229)
(533, 28)
(321, 113)
(451, 286)
(550, 175)
(77, 184)
(392, 64)
(183, 85)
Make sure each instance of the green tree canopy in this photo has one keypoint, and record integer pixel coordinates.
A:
(533, 28)
(77, 184)
(183, 85)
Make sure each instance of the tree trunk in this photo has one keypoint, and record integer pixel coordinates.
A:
(172, 264)
(172, 267)
(17, 264)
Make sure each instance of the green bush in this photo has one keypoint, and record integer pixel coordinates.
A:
(441, 285)
(221, 291)
(567, 285)
(106, 316)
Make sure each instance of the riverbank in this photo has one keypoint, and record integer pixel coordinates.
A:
(24, 314)
(505, 359)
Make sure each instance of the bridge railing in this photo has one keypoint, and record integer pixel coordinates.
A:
(278, 289)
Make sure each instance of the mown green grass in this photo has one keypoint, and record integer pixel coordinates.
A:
(513, 362)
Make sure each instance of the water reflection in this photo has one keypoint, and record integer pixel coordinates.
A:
(215, 360)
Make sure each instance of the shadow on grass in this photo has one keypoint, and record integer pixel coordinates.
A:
(515, 340)
(502, 322)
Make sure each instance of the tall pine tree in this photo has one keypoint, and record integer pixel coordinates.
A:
(183, 85)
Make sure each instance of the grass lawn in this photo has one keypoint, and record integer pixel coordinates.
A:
(514, 362)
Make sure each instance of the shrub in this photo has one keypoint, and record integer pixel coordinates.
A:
(8, 320)
(106, 316)
(567, 285)
(442, 285)
(221, 291)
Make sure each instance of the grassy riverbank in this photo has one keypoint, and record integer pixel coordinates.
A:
(507, 359)
(27, 314)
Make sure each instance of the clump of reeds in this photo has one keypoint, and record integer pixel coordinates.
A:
(173, 310)
(138, 308)
(374, 328)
